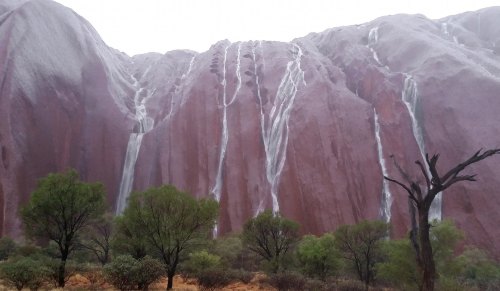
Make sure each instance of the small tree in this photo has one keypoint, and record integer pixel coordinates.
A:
(361, 244)
(99, 238)
(420, 201)
(60, 209)
(127, 239)
(318, 256)
(171, 222)
(271, 237)
(230, 250)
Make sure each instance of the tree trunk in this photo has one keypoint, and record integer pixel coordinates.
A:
(60, 273)
(428, 267)
(170, 282)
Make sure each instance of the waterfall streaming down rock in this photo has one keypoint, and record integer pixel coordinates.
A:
(260, 208)
(385, 207)
(217, 189)
(145, 124)
(410, 99)
(372, 40)
(275, 130)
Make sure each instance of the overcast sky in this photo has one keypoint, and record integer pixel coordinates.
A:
(140, 26)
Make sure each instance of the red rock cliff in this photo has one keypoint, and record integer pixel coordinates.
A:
(305, 128)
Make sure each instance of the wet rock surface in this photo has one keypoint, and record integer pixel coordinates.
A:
(257, 125)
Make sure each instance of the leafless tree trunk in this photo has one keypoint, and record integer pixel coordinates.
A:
(421, 197)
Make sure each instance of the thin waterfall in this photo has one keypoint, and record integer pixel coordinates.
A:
(372, 40)
(410, 99)
(217, 189)
(260, 208)
(145, 124)
(174, 96)
(385, 208)
(275, 130)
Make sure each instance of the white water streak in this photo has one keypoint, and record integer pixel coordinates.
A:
(260, 208)
(145, 124)
(275, 131)
(385, 209)
(177, 88)
(410, 99)
(372, 40)
(217, 189)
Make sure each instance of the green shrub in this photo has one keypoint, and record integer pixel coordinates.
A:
(150, 270)
(24, 272)
(127, 273)
(229, 249)
(200, 261)
(213, 279)
(121, 272)
(7, 247)
(318, 256)
(479, 270)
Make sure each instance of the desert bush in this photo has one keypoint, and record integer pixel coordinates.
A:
(24, 272)
(121, 272)
(287, 281)
(94, 274)
(213, 279)
(200, 261)
(478, 270)
(150, 270)
(52, 265)
(318, 256)
(229, 249)
(127, 273)
(241, 275)
(7, 247)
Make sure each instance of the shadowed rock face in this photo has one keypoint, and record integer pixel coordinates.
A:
(256, 125)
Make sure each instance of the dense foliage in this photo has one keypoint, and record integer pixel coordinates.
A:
(171, 223)
(319, 256)
(60, 209)
(271, 236)
(360, 244)
(164, 231)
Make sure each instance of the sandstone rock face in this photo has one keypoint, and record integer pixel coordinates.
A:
(63, 102)
(305, 128)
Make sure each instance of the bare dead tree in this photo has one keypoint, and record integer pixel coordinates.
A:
(420, 199)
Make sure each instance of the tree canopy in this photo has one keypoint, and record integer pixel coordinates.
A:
(60, 208)
(318, 256)
(270, 236)
(170, 221)
(361, 244)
